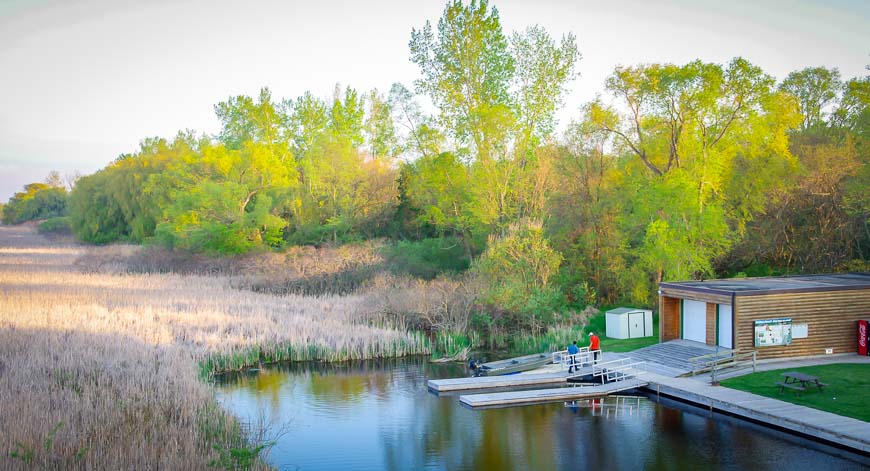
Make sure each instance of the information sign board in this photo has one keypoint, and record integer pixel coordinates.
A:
(772, 332)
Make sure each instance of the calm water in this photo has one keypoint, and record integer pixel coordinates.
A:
(379, 415)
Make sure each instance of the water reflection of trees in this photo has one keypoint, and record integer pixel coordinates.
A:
(416, 429)
(535, 437)
(690, 437)
(341, 382)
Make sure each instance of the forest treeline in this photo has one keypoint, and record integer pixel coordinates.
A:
(675, 171)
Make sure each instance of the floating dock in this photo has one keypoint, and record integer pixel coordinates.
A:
(539, 396)
(494, 382)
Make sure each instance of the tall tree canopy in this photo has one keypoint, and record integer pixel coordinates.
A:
(675, 171)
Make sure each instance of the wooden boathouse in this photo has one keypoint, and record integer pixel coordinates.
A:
(776, 316)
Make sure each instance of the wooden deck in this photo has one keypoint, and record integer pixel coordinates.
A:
(494, 382)
(539, 396)
(844, 431)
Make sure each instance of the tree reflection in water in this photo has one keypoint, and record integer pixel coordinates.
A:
(379, 415)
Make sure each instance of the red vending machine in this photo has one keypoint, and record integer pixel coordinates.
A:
(862, 337)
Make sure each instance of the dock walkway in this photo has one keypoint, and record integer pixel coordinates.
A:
(493, 382)
(539, 396)
(844, 431)
(550, 374)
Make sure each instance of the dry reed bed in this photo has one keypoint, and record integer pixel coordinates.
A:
(99, 370)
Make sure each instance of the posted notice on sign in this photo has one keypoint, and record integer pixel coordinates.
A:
(772, 332)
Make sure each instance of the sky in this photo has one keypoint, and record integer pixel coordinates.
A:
(83, 81)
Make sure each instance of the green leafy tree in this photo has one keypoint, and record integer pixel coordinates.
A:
(347, 116)
(95, 216)
(308, 121)
(243, 119)
(853, 110)
(583, 211)
(467, 70)
(542, 71)
(379, 127)
(816, 89)
(853, 117)
(132, 187)
(37, 201)
(688, 126)
(817, 220)
(518, 269)
(421, 135)
(230, 211)
(332, 170)
(440, 186)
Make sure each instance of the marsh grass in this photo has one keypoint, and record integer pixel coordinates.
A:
(554, 339)
(454, 345)
(100, 368)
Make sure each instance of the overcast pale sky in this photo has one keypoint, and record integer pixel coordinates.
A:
(83, 81)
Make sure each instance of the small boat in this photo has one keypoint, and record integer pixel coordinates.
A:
(511, 365)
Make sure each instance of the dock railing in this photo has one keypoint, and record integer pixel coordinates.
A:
(618, 370)
(581, 358)
(716, 363)
(739, 361)
(558, 356)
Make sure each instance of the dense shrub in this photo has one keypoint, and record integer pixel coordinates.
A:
(427, 258)
(37, 201)
(57, 226)
(516, 271)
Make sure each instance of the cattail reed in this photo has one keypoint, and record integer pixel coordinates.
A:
(104, 370)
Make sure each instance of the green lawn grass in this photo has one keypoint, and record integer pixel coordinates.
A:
(627, 345)
(847, 393)
(598, 325)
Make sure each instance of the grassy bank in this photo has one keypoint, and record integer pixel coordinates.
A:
(846, 394)
(413, 343)
(101, 369)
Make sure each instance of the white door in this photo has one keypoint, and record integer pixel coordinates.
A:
(726, 326)
(635, 325)
(695, 320)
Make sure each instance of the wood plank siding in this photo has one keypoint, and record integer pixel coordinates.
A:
(707, 297)
(831, 317)
(669, 319)
(711, 324)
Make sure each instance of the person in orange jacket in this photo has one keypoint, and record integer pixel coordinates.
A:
(594, 346)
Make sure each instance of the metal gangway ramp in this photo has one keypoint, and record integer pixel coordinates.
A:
(617, 375)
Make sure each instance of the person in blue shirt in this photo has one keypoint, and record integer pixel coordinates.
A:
(572, 362)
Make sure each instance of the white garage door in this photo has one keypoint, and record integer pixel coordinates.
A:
(695, 321)
(726, 323)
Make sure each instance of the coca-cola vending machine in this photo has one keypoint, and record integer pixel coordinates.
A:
(862, 337)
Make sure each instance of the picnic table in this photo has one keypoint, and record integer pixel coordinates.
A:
(799, 382)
